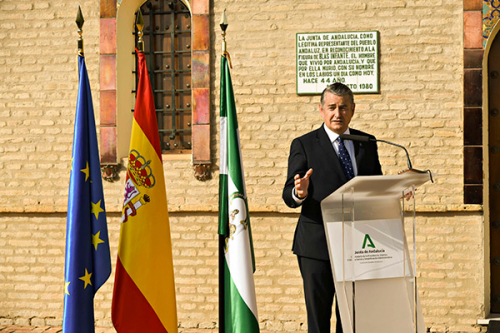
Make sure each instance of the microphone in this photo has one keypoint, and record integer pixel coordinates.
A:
(364, 138)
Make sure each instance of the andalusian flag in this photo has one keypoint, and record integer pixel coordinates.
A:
(88, 262)
(144, 294)
(240, 306)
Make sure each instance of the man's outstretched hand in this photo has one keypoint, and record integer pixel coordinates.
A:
(302, 184)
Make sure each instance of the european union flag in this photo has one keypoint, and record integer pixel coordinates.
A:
(88, 260)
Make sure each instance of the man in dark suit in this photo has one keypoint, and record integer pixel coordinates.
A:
(320, 163)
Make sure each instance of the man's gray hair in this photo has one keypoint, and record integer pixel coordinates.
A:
(338, 89)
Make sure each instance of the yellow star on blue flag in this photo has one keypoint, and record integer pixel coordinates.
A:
(86, 171)
(86, 279)
(66, 287)
(96, 209)
(96, 240)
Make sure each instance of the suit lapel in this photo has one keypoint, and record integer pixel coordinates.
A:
(331, 157)
(359, 152)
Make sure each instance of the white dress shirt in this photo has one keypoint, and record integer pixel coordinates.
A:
(349, 145)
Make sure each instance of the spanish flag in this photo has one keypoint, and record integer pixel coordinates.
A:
(144, 291)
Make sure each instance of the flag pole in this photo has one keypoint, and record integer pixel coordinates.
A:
(139, 23)
(222, 238)
(79, 22)
(87, 241)
(223, 26)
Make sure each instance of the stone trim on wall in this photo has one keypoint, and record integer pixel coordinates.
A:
(473, 145)
(200, 82)
(107, 50)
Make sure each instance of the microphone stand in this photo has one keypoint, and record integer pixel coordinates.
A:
(364, 138)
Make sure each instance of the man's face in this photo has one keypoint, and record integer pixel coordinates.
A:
(337, 112)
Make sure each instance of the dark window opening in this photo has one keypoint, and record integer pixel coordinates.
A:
(167, 46)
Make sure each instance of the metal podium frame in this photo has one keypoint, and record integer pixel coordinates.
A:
(375, 279)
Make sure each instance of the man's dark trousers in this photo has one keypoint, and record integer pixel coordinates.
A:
(319, 290)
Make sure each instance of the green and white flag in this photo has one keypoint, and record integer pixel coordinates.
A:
(240, 306)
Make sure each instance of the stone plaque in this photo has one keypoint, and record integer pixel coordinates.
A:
(348, 57)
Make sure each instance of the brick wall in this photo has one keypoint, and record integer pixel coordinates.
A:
(420, 105)
(38, 90)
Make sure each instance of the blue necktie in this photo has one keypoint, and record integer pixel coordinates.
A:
(345, 160)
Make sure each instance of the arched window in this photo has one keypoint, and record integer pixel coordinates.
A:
(183, 111)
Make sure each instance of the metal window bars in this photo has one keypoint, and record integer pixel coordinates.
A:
(167, 45)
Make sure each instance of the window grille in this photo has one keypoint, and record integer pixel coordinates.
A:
(167, 46)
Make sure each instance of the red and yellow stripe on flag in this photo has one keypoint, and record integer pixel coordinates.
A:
(144, 291)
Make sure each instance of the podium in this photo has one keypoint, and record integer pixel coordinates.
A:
(374, 275)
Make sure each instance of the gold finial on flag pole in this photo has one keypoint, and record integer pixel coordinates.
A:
(139, 23)
(223, 26)
(79, 22)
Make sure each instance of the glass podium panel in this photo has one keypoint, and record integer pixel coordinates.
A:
(371, 236)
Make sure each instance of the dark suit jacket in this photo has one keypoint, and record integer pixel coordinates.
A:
(314, 150)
